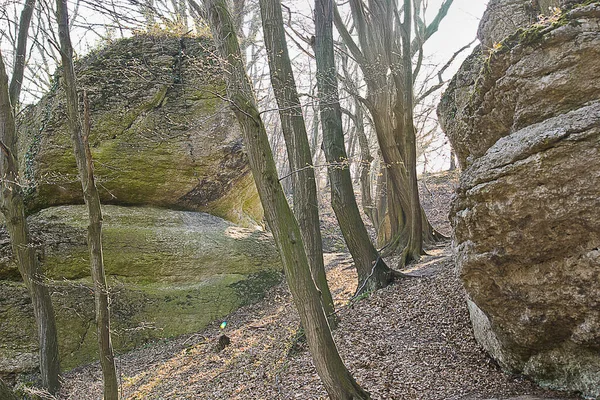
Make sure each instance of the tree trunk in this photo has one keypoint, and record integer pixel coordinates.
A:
(306, 204)
(414, 249)
(13, 208)
(372, 271)
(380, 52)
(452, 159)
(337, 380)
(92, 199)
(365, 167)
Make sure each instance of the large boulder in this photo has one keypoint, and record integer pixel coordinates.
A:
(170, 273)
(524, 119)
(161, 133)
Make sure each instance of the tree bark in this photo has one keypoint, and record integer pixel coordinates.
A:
(16, 82)
(92, 199)
(337, 380)
(306, 204)
(13, 208)
(380, 51)
(414, 249)
(372, 271)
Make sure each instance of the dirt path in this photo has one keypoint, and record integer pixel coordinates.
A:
(409, 341)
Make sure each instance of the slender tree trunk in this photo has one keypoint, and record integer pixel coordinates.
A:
(337, 380)
(380, 193)
(13, 208)
(92, 200)
(16, 82)
(365, 167)
(452, 160)
(372, 271)
(306, 205)
(414, 249)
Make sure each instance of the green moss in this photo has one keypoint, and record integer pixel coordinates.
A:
(114, 124)
(169, 272)
(140, 313)
(147, 131)
(241, 206)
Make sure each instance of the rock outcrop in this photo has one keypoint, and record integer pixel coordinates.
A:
(170, 272)
(524, 119)
(163, 141)
(161, 135)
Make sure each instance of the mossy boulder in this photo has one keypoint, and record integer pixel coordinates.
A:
(170, 273)
(161, 135)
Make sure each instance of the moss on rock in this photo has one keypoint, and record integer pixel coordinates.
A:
(170, 273)
(161, 135)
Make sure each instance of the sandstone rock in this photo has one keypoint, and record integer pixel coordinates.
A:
(536, 74)
(527, 236)
(161, 135)
(503, 17)
(525, 123)
(170, 273)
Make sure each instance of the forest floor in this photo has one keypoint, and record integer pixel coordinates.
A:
(411, 340)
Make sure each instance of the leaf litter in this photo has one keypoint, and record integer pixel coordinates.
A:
(411, 340)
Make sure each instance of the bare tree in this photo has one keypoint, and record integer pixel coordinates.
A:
(13, 208)
(92, 200)
(384, 51)
(306, 204)
(337, 380)
(373, 273)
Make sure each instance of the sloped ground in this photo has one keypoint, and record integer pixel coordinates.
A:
(411, 340)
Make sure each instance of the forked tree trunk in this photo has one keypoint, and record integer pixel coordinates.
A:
(335, 377)
(377, 28)
(372, 271)
(92, 200)
(13, 208)
(306, 204)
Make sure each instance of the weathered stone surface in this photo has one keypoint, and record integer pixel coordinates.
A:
(527, 236)
(161, 135)
(525, 122)
(503, 17)
(170, 272)
(535, 74)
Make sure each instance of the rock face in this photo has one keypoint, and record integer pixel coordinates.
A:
(524, 119)
(160, 133)
(161, 136)
(170, 272)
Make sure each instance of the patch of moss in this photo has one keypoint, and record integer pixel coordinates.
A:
(241, 206)
(139, 313)
(169, 272)
(154, 140)
(115, 124)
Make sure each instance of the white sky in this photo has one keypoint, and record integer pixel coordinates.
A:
(456, 30)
